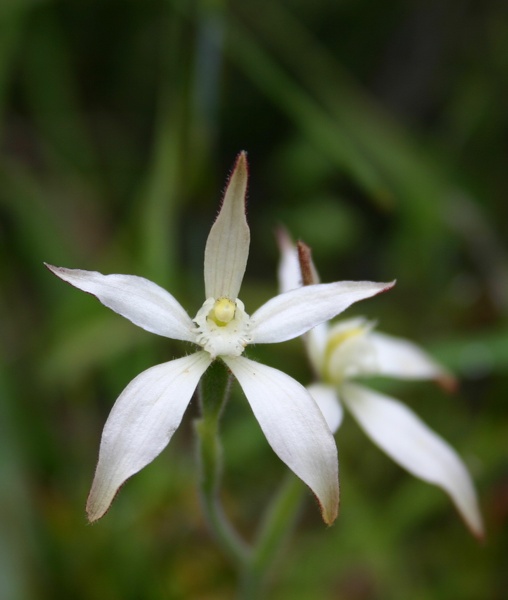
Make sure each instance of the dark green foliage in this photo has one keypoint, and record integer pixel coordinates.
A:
(376, 133)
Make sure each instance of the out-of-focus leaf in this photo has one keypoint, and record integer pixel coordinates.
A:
(12, 17)
(26, 201)
(475, 355)
(375, 151)
(298, 104)
(54, 99)
(88, 344)
(17, 541)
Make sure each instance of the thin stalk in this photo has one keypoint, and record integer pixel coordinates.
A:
(277, 525)
(213, 395)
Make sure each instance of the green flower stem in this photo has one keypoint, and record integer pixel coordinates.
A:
(213, 394)
(254, 564)
(279, 521)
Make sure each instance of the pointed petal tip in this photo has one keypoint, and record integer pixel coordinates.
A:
(387, 286)
(242, 156)
(478, 532)
(284, 240)
(92, 518)
(52, 268)
(62, 273)
(93, 514)
(448, 383)
(95, 509)
(329, 516)
(472, 518)
(241, 166)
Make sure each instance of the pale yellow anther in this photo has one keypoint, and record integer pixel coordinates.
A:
(223, 311)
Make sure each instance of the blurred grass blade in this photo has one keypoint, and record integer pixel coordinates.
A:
(294, 101)
(90, 343)
(160, 195)
(475, 355)
(52, 95)
(379, 139)
(376, 152)
(17, 543)
(12, 16)
(36, 228)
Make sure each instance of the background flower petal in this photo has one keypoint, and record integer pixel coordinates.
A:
(326, 398)
(414, 446)
(315, 343)
(141, 424)
(227, 247)
(289, 272)
(397, 357)
(294, 428)
(290, 314)
(141, 301)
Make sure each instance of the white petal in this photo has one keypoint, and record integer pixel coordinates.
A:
(397, 357)
(315, 343)
(135, 298)
(141, 424)
(414, 446)
(289, 273)
(227, 247)
(326, 398)
(289, 315)
(294, 428)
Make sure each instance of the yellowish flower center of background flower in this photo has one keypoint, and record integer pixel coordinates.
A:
(223, 312)
(339, 338)
(333, 370)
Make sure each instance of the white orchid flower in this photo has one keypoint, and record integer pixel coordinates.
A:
(149, 410)
(350, 349)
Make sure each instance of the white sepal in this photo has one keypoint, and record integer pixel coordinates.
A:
(415, 447)
(227, 247)
(397, 357)
(294, 427)
(141, 301)
(289, 272)
(141, 425)
(315, 343)
(290, 314)
(326, 398)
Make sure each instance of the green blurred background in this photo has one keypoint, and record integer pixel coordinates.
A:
(378, 133)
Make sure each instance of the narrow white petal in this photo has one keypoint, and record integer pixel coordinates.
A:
(135, 298)
(289, 315)
(326, 398)
(397, 357)
(227, 247)
(141, 424)
(294, 428)
(315, 343)
(289, 273)
(414, 446)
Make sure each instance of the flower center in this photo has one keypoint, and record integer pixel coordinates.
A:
(222, 327)
(349, 351)
(223, 312)
(337, 339)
